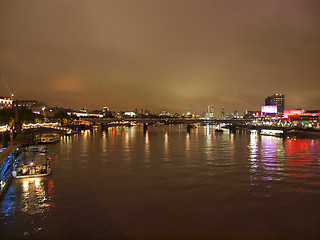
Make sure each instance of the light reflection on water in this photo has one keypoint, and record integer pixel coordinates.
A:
(147, 147)
(168, 183)
(27, 203)
(34, 198)
(286, 160)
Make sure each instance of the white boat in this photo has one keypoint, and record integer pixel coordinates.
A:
(49, 138)
(271, 132)
(32, 165)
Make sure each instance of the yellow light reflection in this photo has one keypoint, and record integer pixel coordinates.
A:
(232, 148)
(34, 199)
(208, 142)
(187, 145)
(104, 143)
(37, 182)
(25, 186)
(126, 149)
(86, 133)
(166, 147)
(147, 147)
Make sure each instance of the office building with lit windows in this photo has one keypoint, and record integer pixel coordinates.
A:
(210, 112)
(5, 102)
(276, 100)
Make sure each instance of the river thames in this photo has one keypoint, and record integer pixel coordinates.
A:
(166, 183)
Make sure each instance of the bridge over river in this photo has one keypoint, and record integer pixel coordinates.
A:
(235, 121)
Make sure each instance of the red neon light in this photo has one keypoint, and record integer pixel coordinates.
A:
(304, 115)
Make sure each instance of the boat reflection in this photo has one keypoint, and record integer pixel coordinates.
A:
(37, 195)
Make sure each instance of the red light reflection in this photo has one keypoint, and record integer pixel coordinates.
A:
(51, 194)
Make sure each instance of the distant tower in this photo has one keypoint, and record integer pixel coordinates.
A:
(278, 100)
(223, 114)
(210, 112)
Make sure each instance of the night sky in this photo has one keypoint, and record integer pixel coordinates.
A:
(165, 54)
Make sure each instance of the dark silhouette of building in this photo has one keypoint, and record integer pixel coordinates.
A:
(278, 100)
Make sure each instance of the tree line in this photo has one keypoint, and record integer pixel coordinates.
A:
(26, 116)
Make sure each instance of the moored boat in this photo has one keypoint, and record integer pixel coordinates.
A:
(32, 164)
(49, 138)
(271, 132)
(37, 148)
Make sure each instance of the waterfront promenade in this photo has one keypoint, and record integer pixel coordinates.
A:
(5, 174)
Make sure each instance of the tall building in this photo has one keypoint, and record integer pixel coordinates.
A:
(278, 100)
(210, 112)
(223, 113)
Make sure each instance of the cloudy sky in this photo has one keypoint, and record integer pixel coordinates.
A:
(165, 54)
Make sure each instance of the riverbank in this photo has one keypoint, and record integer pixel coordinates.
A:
(287, 131)
(6, 163)
(303, 133)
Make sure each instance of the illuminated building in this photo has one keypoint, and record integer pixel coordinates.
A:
(252, 114)
(269, 110)
(310, 119)
(106, 112)
(235, 114)
(36, 106)
(210, 112)
(85, 113)
(129, 114)
(189, 114)
(5, 102)
(309, 115)
(106, 109)
(291, 112)
(278, 100)
(165, 113)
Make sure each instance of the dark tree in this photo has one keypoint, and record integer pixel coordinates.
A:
(6, 116)
(61, 117)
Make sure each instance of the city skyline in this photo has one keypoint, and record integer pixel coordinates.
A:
(211, 109)
(161, 55)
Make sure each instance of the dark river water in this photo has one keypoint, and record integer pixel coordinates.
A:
(169, 184)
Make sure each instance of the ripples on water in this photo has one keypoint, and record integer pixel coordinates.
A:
(167, 183)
